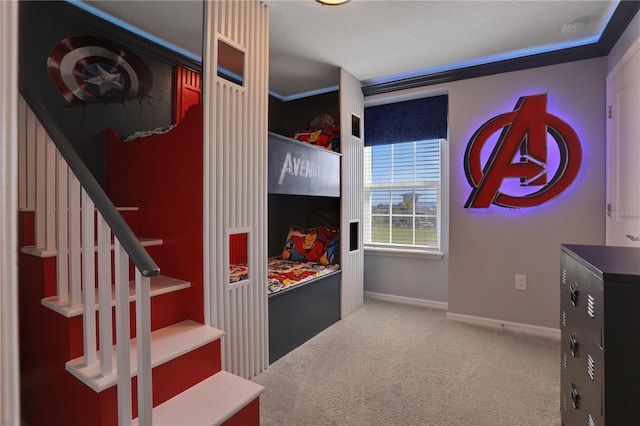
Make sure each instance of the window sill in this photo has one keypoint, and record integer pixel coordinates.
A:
(414, 254)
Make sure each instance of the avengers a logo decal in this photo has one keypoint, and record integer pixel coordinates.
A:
(521, 151)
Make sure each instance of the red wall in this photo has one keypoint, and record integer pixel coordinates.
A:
(162, 175)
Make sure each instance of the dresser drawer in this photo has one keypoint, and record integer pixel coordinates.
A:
(582, 367)
(581, 299)
(599, 323)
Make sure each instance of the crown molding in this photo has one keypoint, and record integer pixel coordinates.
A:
(619, 21)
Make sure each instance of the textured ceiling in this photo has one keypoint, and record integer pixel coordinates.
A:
(384, 40)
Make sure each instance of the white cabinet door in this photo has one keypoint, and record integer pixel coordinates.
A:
(623, 151)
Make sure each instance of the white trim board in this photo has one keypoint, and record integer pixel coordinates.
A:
(407, 300)
(535, 330)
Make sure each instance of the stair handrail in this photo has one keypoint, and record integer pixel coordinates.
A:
(137, 253)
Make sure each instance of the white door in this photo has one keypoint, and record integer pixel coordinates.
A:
(623, 151)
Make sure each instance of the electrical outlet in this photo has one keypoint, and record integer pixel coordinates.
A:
(521, 282)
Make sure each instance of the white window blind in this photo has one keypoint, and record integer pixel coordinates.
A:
(402, 195)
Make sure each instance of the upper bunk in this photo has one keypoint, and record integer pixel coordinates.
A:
(298, 168)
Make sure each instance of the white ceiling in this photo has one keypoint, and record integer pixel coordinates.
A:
(380, 40)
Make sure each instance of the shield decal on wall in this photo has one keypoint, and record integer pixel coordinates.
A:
(88, 69)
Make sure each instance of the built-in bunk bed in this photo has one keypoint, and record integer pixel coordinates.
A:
(304, 234)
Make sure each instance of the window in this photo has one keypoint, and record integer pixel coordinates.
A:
(402, 195)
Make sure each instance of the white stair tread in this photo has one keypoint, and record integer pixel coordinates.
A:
(166, 344)
(210, 402)
(158, 285)
(43, 252)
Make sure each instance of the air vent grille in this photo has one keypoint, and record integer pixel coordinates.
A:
(591, 306)
(564, 318)
(565, 361)
(564, 276)
(591, 366)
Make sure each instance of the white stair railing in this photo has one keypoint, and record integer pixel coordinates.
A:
(75, 220)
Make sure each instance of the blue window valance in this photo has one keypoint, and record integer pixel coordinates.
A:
(418, 119)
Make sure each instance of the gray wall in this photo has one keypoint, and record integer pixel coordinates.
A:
(487, 248)
(425, 279)
(625, 41)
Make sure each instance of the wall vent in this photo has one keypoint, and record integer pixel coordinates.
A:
(591, 306)
(591, 366)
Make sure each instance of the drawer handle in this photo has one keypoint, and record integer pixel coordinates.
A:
(573, 344)
(575, 396)
(573, 288)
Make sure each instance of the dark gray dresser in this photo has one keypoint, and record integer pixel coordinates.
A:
(600, 335)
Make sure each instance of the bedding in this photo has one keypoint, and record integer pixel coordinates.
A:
(238, 272)
(322, 132)
(308, 253)
(285, 273)
(327, 137)
(311, 244)
(144, 133)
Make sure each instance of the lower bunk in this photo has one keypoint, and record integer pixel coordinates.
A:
(299, 312)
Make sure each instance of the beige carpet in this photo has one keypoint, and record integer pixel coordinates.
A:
(393, 364)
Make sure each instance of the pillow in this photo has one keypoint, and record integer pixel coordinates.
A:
(318, 245)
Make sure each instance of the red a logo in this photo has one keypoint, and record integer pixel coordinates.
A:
(521, 152)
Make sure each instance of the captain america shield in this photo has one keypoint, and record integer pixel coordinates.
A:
(88, 69)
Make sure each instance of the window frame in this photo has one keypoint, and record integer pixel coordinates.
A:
(403, 250)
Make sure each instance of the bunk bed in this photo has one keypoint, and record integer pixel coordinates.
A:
(304, 258)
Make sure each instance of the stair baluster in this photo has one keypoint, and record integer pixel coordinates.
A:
(62, 234)
(104, 296)
(88, 281)
(123, 335)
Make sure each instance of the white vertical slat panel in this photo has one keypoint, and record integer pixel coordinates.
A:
(9, 368)
(246, 325)
(247, 202)
(123, 335)
(235, 181)
(231, 349)
(50, 194)
(104, 296)
(246, 115)
(62, 234)
(88, 281)
(31, 126)
(351, 103)
(74, 240)
(40, 194)
(143, 342)
(22, 153)
(262, 77)
(223, 314)
(208, 167)
(226, 121)
(220, 243)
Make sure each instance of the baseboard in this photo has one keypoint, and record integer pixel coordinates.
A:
(407, 300)
(535, 330)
